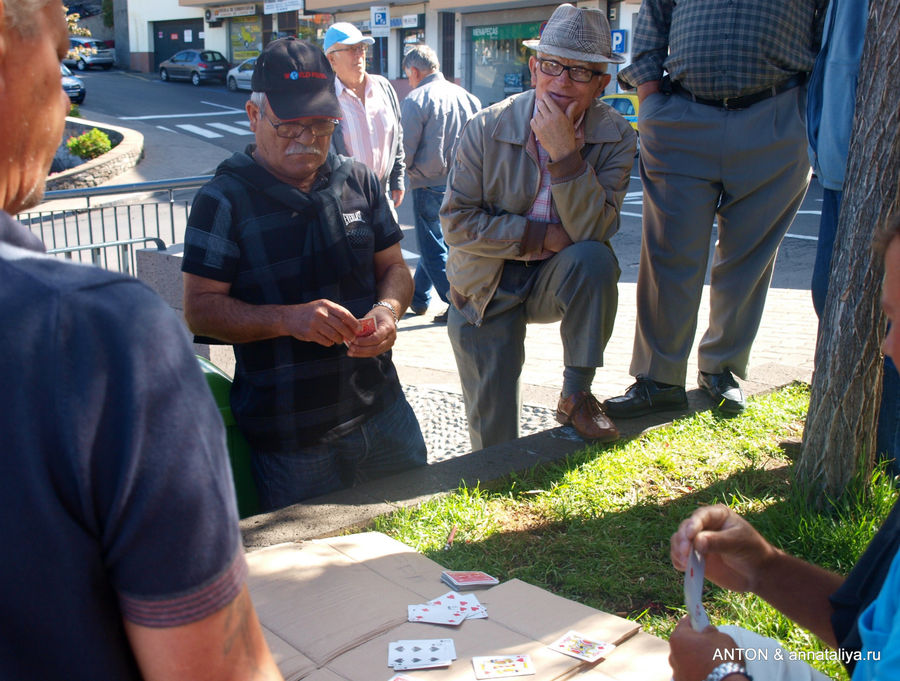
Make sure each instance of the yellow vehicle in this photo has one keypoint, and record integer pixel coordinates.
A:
(627, 105)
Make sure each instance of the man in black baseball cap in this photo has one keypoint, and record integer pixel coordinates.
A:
(292, 255)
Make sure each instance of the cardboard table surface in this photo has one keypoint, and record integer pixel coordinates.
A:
(329, 608)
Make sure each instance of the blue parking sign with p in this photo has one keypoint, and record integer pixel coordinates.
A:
(381, 18)
(618, 40)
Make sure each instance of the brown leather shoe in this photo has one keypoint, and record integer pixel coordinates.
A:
(583, 412)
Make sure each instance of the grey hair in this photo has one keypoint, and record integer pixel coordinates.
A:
(421, 57)
(259, 99)
(19, 14)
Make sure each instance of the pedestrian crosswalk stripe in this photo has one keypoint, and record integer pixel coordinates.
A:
(230, 128)
(197, 130)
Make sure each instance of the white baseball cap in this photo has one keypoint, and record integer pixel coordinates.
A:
(343, 33)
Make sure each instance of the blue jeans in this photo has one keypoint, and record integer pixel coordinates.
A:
(389, 442)
(432, 266)
(888, 436)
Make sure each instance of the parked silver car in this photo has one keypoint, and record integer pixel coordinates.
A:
(73, 85)
(197, 66)
(87, 52)
(239, 77)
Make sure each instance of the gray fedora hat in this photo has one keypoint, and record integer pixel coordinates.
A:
(573, 33)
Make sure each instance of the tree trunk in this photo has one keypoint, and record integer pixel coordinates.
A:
(839, 439)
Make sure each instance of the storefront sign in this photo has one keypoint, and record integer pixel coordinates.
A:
(410, 21)
(277, 6)
(219, 13)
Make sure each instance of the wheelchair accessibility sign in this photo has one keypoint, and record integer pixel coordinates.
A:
(380, 19)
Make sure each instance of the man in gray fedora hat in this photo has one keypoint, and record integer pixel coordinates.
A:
(532, 199)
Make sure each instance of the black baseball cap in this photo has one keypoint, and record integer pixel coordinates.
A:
(297, 79)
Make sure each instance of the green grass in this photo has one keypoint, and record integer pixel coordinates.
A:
(595, 528)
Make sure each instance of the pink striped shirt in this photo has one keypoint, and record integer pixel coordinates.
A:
(369, 127)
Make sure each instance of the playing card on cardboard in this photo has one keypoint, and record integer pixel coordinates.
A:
(576, 645)
(467, 604)
(366, 326)
(502, 666)
(421, 653)
(693, 591)
(468, 579)
(435, 614)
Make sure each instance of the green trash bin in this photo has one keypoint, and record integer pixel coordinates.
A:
(238, 449)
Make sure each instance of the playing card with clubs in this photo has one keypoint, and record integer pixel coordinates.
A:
(435, 614)
(576, 645)
(693, 591)
(421, 654)
(501, 666)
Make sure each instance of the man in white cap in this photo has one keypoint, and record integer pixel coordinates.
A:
(532, 199)
(370, 131)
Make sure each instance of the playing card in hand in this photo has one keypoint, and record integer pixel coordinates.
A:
(366, 327)
(576, 645)
(693, 591)
(502, 666)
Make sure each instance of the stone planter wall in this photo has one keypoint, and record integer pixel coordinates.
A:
(120, 158)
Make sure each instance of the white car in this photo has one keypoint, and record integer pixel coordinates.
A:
(239, 77)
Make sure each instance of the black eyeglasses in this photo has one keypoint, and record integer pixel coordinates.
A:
(579, 74)
(293, 130)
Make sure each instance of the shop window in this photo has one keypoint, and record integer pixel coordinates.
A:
(499, 60)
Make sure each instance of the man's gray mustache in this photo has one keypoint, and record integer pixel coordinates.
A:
(302, 149)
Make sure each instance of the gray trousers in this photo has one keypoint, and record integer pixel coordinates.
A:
(749, 171)
(577, 286)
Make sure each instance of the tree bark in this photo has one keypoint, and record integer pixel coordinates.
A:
(839, 438)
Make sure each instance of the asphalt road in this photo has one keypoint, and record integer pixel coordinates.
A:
(215, 115)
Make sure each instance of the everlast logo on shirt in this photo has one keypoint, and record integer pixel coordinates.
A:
(350, 218)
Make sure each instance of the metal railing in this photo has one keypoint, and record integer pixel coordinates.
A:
(108, 234)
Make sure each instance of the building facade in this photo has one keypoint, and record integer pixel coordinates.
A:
(479, 44)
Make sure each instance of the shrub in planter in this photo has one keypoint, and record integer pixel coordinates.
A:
(90, 144)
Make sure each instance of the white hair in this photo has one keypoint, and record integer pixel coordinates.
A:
(259, 99)
(19, 14)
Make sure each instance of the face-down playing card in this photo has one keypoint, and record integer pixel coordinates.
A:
(693, 591)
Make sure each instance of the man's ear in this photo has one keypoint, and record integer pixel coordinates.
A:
(602, 82)
(252, 114)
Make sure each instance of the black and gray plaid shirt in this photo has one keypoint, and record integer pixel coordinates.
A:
(724, 48)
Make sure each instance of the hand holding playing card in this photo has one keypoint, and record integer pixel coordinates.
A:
(692, 654)
(380, 340)
(735, 553)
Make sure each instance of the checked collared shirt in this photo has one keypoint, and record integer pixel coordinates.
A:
(724, 48)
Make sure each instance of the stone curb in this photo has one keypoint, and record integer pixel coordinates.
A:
(123, 156)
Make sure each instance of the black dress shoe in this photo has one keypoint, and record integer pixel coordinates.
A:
(724, 391)
(646, 396)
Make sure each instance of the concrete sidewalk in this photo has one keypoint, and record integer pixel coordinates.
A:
(783, 352)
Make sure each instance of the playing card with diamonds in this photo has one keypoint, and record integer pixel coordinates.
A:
(576, 645)
(421, 654)
(693, 591)
(502, 666)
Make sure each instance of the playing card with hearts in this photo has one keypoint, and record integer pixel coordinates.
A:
(421, 653)
(435, 614)
(366, 327)
(467, 604)
(502, 666)
(576, 645)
